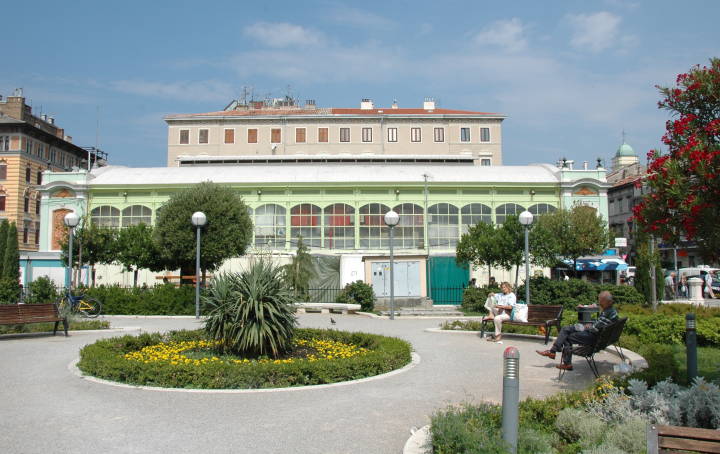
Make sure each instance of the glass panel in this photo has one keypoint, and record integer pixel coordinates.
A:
(270, 226)
(505, 210)
(443, 225)
(542, 208)
(105, 216)
(305, 221)
(409, 231)
(473, 213)
(373, 231)
(134, 215)
(339, 226)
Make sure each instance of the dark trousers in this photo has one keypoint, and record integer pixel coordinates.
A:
(569, 336)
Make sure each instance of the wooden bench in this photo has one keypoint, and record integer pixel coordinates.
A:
(23, 314)
(606, 337)
(673, 439)
(538, 315)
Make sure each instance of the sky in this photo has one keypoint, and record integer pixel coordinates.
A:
(570, 76)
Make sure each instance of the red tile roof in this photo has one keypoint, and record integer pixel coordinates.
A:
(330, 111)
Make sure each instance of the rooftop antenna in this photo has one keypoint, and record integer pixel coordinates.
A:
(623, 135)
(97, 136)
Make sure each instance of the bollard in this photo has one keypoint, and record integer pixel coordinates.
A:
(511, 397)
(691, 347)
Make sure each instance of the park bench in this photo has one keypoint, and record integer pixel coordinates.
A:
(23, 314)
(606, 337)
(673, 439)
(546, 316)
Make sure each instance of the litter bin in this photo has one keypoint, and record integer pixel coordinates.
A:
(585, 313)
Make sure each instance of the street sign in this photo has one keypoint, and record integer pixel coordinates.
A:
(620, 242)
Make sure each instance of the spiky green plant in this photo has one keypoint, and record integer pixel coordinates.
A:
(251, 313)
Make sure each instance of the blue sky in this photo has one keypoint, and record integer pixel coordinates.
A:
(569, 75)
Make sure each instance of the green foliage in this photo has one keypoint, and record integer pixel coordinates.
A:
(11, 262)
(358, 292)
(163, 299)
(227, 233)
(97, 244)
(300, 271)
(4, 225)
(251, 313)
(467, 429)
(474, 298)
(477, 246)
(74, 325)
(105, 359)
(136, 249)
(9, 291)
(644, 262)
(573, 292)
(577, 425)
(41, 290)
(542, 413)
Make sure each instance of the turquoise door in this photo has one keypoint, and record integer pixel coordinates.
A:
(446, 280)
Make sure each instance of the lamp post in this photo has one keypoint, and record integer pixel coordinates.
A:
(71, 220)
(526, 218)
(391, 220)
(198, 220)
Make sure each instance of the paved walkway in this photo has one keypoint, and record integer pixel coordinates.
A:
(44, 408)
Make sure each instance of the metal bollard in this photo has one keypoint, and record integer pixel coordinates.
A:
(511, 397)
(691, 347)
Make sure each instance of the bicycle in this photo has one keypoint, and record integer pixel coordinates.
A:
(85, 306)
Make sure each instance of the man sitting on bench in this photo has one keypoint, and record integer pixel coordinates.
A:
(585, 334)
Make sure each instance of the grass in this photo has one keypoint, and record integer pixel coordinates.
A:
(708, 361)
(75, 325)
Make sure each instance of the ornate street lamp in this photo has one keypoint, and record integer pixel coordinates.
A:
(391, 220)
(526, 218)
(198, 220)
(71, 220)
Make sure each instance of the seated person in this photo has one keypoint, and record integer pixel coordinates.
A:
(584, 334)
(500, 311)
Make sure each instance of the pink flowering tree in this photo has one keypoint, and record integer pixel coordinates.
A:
(684, 184)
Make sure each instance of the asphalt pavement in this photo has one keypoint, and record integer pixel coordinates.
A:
(46, 408)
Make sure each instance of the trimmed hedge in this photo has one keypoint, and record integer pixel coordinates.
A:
(104, 359)
(573, 292)
(159, 300)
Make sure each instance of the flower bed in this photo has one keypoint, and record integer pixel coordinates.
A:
(188, 359)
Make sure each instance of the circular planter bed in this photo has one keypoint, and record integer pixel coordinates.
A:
(187, 359)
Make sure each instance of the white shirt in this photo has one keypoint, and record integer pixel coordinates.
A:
(505, 300)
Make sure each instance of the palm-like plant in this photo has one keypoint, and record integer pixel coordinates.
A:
(251, 313)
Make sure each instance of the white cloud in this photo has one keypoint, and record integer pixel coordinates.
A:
(210, 90)
(283, 34)
(595, 32)
(507, 34)
(360, 18)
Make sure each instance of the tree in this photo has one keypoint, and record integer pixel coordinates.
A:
(510, 245)
(11, 262)
(644, 262)
(478, 246)
(135, 248)
(3, 242)
(96, 243)
(300, 271)
(227, 233)
(684, 184)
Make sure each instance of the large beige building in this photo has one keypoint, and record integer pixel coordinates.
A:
(284, 131)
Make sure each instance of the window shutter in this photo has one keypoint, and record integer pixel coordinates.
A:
(229, 136)
(275, 135)
(252, 135)
(300, 135)
(322, 134)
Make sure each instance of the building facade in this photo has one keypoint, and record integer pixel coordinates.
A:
(29, 146)
(284, 129)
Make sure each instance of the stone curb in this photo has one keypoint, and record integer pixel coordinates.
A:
(636, 361)
(72, 367)
(70, 331)
(418, 441)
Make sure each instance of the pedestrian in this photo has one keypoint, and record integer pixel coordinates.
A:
(584, 334)
(707, 284)
(683, 287)
(670, 286)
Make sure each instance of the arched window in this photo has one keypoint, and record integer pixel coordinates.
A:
(443, 225)
(505, 210)
(373, 231)
(409, 231)
(105, 216)
(473, 213)
(270, 226)
(305, 221)
(339, 226)
(542, 208)
(136, 214)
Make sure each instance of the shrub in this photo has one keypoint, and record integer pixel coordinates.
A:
(105, 359)
(42, 290)
(358, 292)
(251, 313)
(471, 429)
(9, 291)
(573, 292)
(163, 299)
(474, 298)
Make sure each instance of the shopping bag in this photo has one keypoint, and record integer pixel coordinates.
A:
(519, 313)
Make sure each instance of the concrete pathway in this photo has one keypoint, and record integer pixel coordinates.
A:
(44, 408)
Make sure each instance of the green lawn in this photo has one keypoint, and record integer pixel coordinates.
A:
(708, 361)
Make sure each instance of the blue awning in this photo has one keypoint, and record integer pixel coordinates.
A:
(599, 263)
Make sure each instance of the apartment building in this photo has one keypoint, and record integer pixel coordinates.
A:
(29, 146)
(284, 131)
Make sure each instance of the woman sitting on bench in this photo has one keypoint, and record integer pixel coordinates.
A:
(500, 307)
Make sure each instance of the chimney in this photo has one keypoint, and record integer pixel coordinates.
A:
(44, 118)
(585, 165)
(394, 104)
(68, 139)
(429, 104)
(366, 104)
(18, 92)
(310, 103)
(51, 120)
